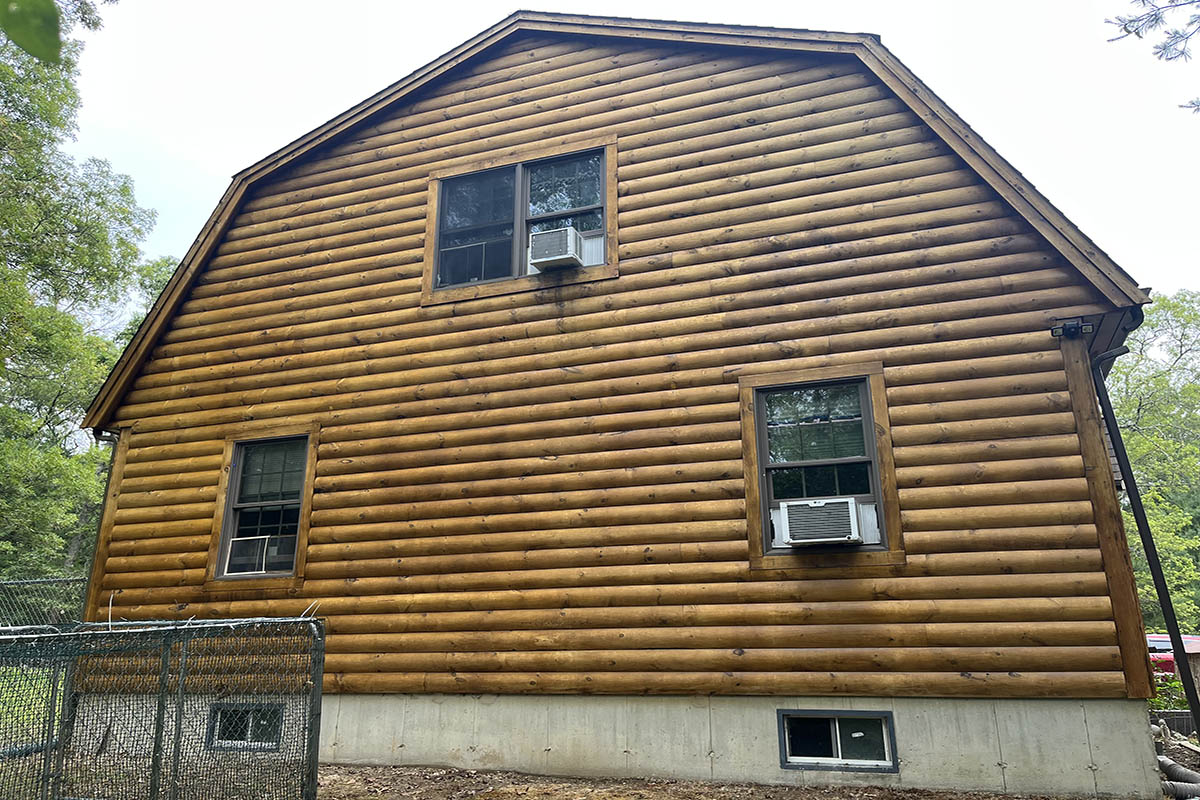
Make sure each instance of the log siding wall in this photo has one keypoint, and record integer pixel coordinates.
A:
(543, 491)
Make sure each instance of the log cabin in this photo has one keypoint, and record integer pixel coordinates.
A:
(650, 398)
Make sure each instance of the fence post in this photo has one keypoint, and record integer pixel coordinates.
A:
(164, 677)
(48, 733)
(181, 673)
(316, 675)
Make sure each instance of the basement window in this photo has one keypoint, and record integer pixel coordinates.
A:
(852, 741)
(245, 726)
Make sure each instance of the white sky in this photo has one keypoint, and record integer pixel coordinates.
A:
(181, 95)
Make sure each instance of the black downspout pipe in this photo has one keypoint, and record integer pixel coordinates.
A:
(1143, 526)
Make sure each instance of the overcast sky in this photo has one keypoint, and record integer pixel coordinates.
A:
(180, 95)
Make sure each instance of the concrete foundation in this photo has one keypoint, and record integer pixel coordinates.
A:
(1075, 747)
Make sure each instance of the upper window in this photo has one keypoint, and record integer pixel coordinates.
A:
(487, 219)
(820, 478)
(266, 492)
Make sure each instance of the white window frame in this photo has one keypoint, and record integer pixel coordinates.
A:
(885, 718)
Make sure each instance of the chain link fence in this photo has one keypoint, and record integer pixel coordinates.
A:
(161, 711)
(46, 601)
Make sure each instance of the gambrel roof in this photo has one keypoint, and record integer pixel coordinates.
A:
(1076, 248)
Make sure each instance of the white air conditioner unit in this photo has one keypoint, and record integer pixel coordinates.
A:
(830, 520)
(556, 249)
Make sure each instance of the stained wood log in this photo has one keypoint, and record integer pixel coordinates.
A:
(984, 408)
(670, 451)
(973, 496)
(789, 174)
(977, 388)
(668, 553)
(951, 634)
(976, 430)
(990, 471)
(164, 544)
(165, 497)
(957, 659)
(627, 477)
(899, 612)
(194, 601)
(916, 684)
(964, 452)
(1063, 513)
(984, 539)
(156, 530)
(537, 539)
(827, 151)
(595, 498)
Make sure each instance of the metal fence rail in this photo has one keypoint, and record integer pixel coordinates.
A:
(46, 601)
(161, 711)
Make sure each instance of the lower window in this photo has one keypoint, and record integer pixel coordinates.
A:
(262, 523)
(245, 726)
(837, 740)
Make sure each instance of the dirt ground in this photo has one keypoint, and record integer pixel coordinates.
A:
(427, 783)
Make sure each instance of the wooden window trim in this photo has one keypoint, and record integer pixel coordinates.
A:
(524, 283)
(216, 582)
(819, 561)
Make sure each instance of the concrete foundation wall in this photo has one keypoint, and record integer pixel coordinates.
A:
(1081, 747)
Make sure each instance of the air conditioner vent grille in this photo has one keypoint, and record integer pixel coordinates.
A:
(821, 521)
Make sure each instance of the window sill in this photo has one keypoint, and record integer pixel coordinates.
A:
(816, 563)
(233, 583)
(526, 283)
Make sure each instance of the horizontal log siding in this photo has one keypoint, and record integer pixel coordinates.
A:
(542, 492)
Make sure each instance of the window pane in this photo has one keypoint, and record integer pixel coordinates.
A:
(266, 725)
(233, 725)
(587, 221)
(848, 439)
(564, 184)
(273, 470)
(473, 201)
(787, 483)
(281, 553)
(862, 739)
(853, 479)
(817, 441)
(246, 555)
(820, 481)
(783, 443)
(844, 402)
(810, 737)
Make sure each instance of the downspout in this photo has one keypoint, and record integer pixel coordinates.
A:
(1143, 526)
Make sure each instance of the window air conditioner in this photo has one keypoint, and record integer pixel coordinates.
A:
(832, 520)
(556, 249)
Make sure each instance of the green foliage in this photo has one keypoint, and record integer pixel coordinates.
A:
(1175, 21)
(69, 255)
(1156, 397)
(33, 25)
(1168, 692)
